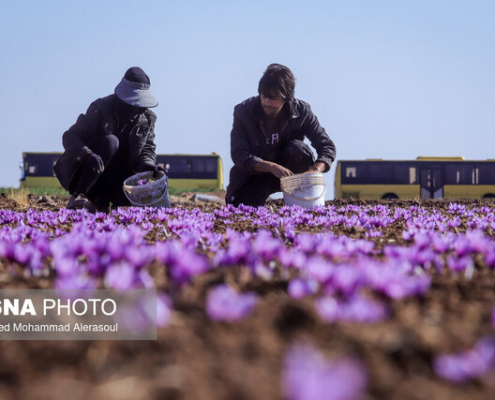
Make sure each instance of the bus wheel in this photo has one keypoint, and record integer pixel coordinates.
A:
(390, 196)
(489, 196)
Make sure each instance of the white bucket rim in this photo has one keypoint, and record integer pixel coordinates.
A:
(289, 183)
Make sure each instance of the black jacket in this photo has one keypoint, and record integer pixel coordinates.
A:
(101, 119)
(247, 139)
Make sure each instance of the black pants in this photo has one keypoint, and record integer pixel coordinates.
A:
(296, 156)
(103, 188)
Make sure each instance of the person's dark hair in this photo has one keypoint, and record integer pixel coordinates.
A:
(277, 81)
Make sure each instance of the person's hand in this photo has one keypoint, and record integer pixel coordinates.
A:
(318, 167)
(154, 168)
(96, 161)
(280, 172)
(311, 170)
(272, 168)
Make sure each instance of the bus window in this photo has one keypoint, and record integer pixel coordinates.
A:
(380, 173)
(354, 173)
(459, 174)
(475, 176)
(180, 166)
(393, 173)
(466, 175)
(404, 174)
(452, 174)
(205, 165)
(413, 177)
(486, 175)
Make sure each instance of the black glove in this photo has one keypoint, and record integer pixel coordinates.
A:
(154, 168)
(80, 154)
(95, 161)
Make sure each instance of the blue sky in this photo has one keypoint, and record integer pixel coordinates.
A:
(387, 79)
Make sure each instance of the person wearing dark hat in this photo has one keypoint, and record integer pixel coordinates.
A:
(266, 141)
(113, 140)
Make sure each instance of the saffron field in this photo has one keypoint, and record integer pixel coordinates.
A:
(353, 300)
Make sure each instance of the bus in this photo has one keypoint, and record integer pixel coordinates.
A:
(185, 171)
(423, 178)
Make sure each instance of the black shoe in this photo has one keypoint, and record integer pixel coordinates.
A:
(78, 201)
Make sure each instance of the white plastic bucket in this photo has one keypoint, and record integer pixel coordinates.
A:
(154, 193)
(305, 190)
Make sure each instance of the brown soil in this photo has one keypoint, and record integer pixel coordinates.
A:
(196, 358)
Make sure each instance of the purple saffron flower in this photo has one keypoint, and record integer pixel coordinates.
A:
(459, 264)
(163, 310)
(328, 308)
(346, 279)
(292, 258)
(461, 246)
(266, 246)
(239, 251)
(490, 258)
(307, 375)
(466, 365)
(76, 282)
(451, 368)
(300, 288)
(120, 276)
(187, 266)
(422, 240)
(146, 313)
(478, 242)
(226, 304)
(319, 269)
(440, 243)
(454, 223)
(364, 310)
(356, 309)
(425, 258)
(306, 242)
(139, 256)
(407, 236)
(394, 279)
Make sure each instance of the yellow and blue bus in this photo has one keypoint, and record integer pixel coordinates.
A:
(423, 178)
(185, 171)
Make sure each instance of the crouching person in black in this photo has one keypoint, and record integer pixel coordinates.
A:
(266, 141)
(112, 141)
